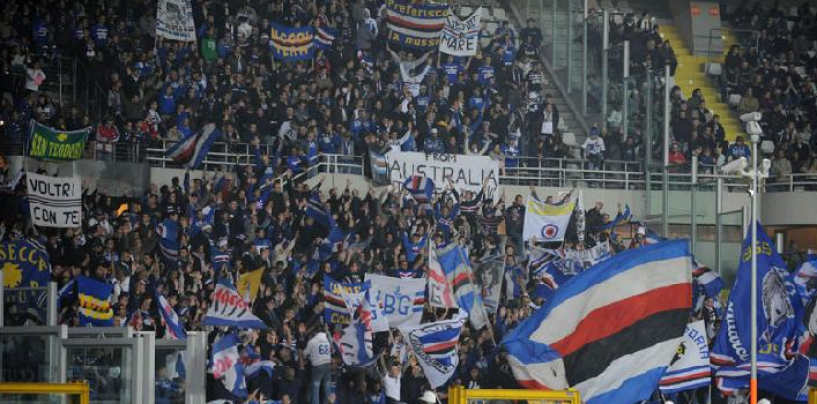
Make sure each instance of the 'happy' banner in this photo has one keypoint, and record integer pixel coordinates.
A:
(416, 25)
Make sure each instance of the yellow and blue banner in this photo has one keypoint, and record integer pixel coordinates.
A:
(94, 302)
(292, 43)
(25, 263)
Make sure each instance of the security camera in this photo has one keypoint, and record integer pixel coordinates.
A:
(735, 166)
(753, 129)
(751, 117)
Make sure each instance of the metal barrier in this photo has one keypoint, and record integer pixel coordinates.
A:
(79, 389)
(461, 395)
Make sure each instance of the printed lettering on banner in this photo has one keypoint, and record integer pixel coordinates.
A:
(54, 201)
(466, 172)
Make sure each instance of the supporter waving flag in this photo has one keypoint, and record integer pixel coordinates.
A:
(226, 365)
(192, 150)
(174, 327)
(229, 309)
(355, 340)
(779, 309)
(804, 278)
(94, 302)
(436, 346)
(709, 280)
(612, 330)
(690, 365)
(421, 189)
(324, 37)
(457, 267)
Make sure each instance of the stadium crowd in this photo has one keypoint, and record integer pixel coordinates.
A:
(360, 95)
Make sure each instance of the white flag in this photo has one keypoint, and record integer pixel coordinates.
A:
(174, 20)
(460, 37)
(547, 222)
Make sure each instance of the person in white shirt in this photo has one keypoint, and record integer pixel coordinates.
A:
(319, 354)
(594, 149)
(391, 383)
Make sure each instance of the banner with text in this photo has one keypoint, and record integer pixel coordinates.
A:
(174, 20)
(47, 143)
(291, 43)
(416, 25)
(460, 37)
(466, 172)
(54, 201)
(401, 299)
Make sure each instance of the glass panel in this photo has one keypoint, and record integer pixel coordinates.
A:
(25, 358)
(170, 376)
(38, 399)
(108, 371)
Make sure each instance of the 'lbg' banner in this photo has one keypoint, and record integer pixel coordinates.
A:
(466, 172)
(54, 202)
(47, 143)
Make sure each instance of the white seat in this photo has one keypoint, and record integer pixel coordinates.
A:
(465, 11)
(606, 5)
(569, 138)
(499, 14)
(793, 12)
(713, 69)
(491, 26)
(767, 147)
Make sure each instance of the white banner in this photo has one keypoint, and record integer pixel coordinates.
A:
(547, 222)
(460, 37)
(53, 201)
(174, 20)
(401, 299)
(690, 366)
(466, 172)
(589, 256)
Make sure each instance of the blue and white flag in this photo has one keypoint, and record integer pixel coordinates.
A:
(355, 340)
(174, 328)
(192, 150)
(420, 188)
(335, 310)
(804, 277)
(25, 263)
(317, 210)
(253, 365)
(372, 307)
(229, 309)
(612, 330)
(226, 364)
(436, 347)
(402, 300)
(457, 268)
(689, 368)
(708, 280)
(779, 311)
(94, 302)
(324, 37)
(168, 232)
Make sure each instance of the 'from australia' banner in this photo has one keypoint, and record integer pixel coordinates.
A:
(460, 38)
(47, 143)
(53, 201)
(416, 25)
(290, 44)
(466, 172)
(174, 20)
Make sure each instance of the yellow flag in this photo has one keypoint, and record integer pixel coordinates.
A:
(251, 279)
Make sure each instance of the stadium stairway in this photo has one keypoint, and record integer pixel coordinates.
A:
(690, 75)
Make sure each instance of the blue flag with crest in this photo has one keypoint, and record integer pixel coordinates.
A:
(778, 319)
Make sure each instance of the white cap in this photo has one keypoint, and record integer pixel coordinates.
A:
(434, 130)
(764, 401)
(429, 397)
(642, 231)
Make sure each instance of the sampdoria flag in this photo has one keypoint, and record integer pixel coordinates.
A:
(174, 328)
(708, 279)
(355, 340)
(335, 310)
(457, 268)
(439, 289)
(229, 309)
(804, 278)
(94, 302)
(168, 232)
(779, 310)
(547, 222)
(317, 210)
(435, 345)
(415, 24)
(324, 37)
(226, 363)
(420, 188)
(689, 368)
(611, 331)
(192, 150)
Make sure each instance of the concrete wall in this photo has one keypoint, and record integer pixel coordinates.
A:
(695, 21)
(116, 179)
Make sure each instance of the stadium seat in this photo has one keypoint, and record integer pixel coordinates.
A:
(499, 14)
(465, 11)
(713, 69)
(606, 5)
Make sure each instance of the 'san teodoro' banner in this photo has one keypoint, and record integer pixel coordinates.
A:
(47, 143)
(466, 172)
(53, 201)
(416, 25)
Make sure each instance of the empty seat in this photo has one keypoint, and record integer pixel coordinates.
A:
(465, 11)
(491, 27)
(767, 147)
(606, 5)
(569, 138)
(499, 14)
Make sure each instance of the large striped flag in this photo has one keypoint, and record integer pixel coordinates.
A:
(420, 188)
(415, 24)
(612, 330)
(804, 278)
(436, 347)
(94, 302)
(324, 37)
(192, 150)
(690, 365)
(226, 365)
(439, 290)
(708, 279)
(229, 309)
(168, 232)
(355, 340)
(174, 328)
(335, 310)
(457, 267)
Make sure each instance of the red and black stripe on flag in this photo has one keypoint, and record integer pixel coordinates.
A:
(624, 327)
